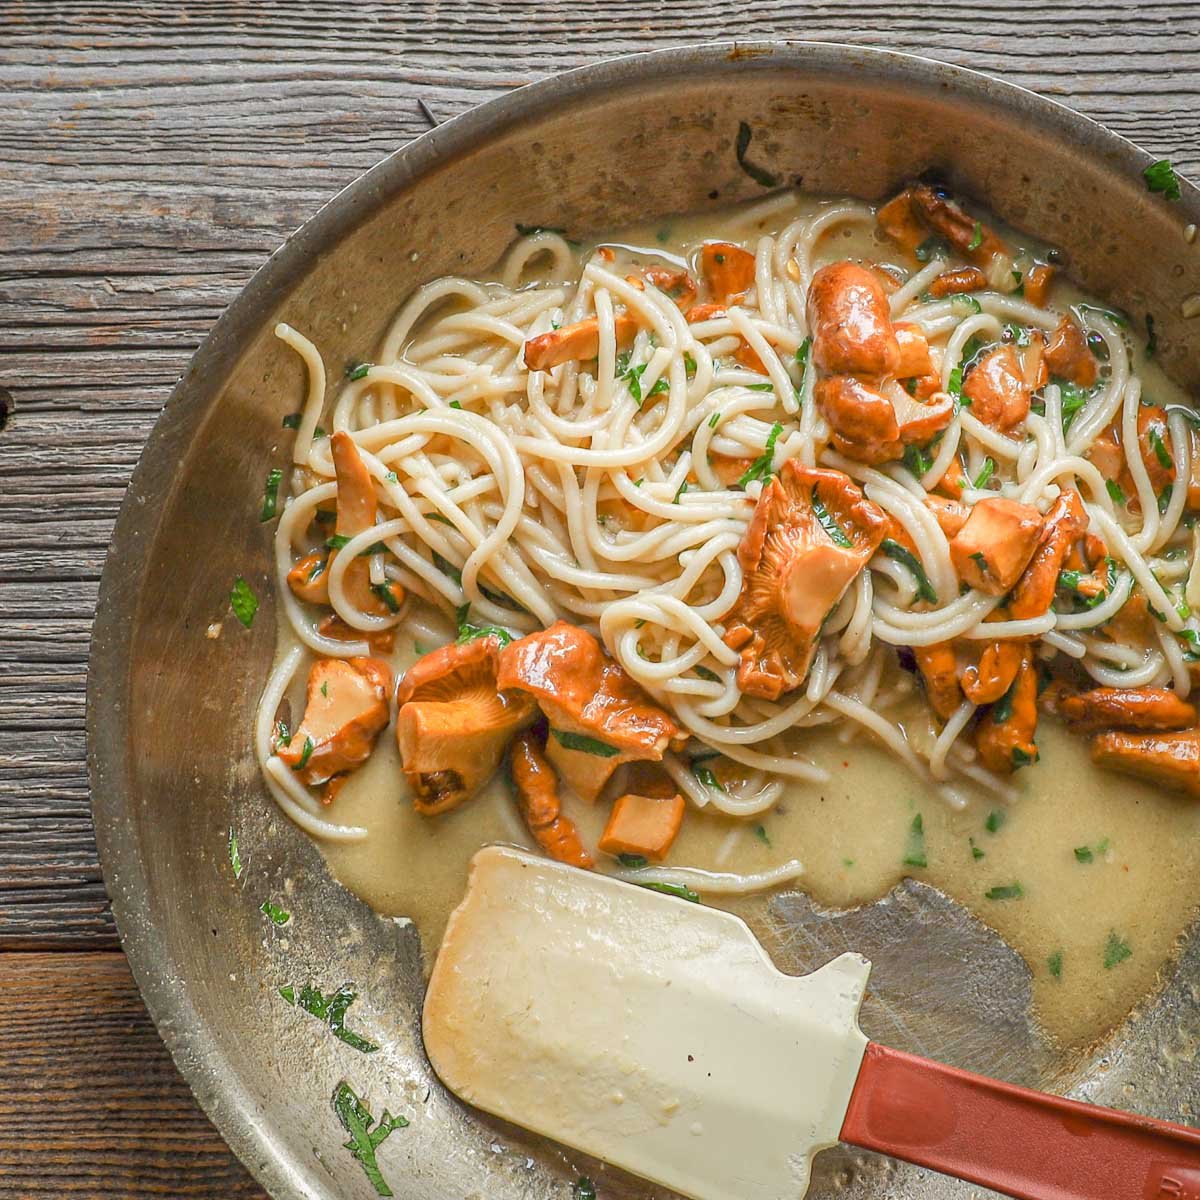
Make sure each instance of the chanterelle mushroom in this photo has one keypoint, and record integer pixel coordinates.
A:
(599, 717)
(811, 534)
(454, 723)
(537, 798)
(851, 322)
(995, 544)
(1145, 708)
(580, 341)
(345, 708)
(1172, 759)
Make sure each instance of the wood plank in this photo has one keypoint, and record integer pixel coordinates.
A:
(90, 1102)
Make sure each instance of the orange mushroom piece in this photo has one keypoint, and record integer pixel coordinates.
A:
(1063, 524)
(995, 544)
(356, 510)
(1145, 708)
(812, 532)
(580, 341)
(957, 281)
(345, 708)
(599, 717)
(1005, 736)
(728, 271)
(914, 360)
(899, 221)
(1154, 442)
(986, 682)
(938, 664)
(309, 578)
(645, 825)
(1033, 361)
(381, 641)
(1172, 759)
(1038, 280)
(541, 808)
(951, 515)
(871, 427)
(677, 284)
(851, 322)
(1068, 356)
(454, 723)
(974, 240)
(954, 481)
(997, 389)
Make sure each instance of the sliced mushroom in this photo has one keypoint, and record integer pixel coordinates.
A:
(309, 578)
(860, 416)
(958, 281)
(580, 341)
(996, 387)
(1005, 736)
(851, 322)
(951, 515)
(356, 509)
(1145, 708)
(1033, 361)
(995, 544)
(345, 708)
(599, 717)
(541, 808)
(1034, 591)
(899, 221)
(974, 240)
(986, 682)
(954, 481)
(914, 360)
(455, 723)
(1172, 759)
(728, 271)
(1068, 355)
(677, 284)
(938, 664)
(811, 533)
(645, 825)
(382, 641)
(1038, 280)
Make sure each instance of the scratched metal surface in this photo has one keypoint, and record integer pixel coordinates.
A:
(842, 120)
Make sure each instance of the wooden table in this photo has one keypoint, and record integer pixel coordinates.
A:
(150, 159)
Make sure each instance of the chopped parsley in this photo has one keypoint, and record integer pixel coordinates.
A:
(827, 521)
(292, 421)
(283, 735)
(1001, 711)
(633, 380)
(325, 689)
(761, 468)
(583, 744)
(585, 1189)
(995, 819)
(385, 593)
(760, 387)
(355, 371)
(1115, 493)
(714, 420)
(305, 754)
(634, 861)
(447, 568)
(976, 237)
(689, 365)
(1073, 399)
(954, 385)
(985, 472)
(1164, 497)
(802, 355)
(1022, 758)
(916, 460)
(760, 175)
(1160, 451)
(277, 915)
(962, 304)
(337, 541)
(1116, 950)
(455, 404)
(914, 853)
(906, 558)
(1005, 891)
(331, 1010)
(470, 633)
(705, 673)
(364, 1140)
(706, 776)
(682, 488)
(671, 889)
(270, 504)
(762, 835)
(976, 853)
(1160, 177)
(235, 859)
(1054, 964)
(243, 602)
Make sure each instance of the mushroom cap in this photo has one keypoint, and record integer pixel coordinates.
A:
(1172, 759)
(796, 569)
(997, 389)
(599, 717)
(851, 322)
(728, 271)
(995, 543)
(1146, 708)
(454, 725)
(345, 708)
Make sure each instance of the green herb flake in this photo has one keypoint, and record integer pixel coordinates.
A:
(1115, 493)
(385, 593)
(634, 862)
(337, 541)
(847, 863)
(954, 385)
(270, 504)
(584, 744)
(1022, 758)
(447, 568)
(705, 673)
(1054, 964)
(931, 248)
(283, 735)
(292, 421)
(906, 558)
(976, 237)
(683, 487)
(1006, 891)
(470, 633)
(331, 1010)
(365, 1135)
(243, 602)
(305, 754)
(455, 405)
(995, 819)
(706, 776)
(714, 420)
(914, 852)
(1084, 854)
(828, 522)
(325, 689)
(689, 365)
(235, 859)
(356, 371)
(976, 853)
(1116, 950)
(916, 460)
(1160, 450)
(760, 175)
(392, 477)
(963, 305)
(760, 832)
(277, 915)
(585, 1189)
(671, 889)
(761, 468)
(1160, 177)
(985, 472)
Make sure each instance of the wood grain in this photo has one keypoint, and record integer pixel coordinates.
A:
(151, 156)
(90, 1102)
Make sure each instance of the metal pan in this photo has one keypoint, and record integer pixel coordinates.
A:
(169, 710)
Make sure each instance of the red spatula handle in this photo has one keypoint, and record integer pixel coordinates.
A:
(1019, 1142)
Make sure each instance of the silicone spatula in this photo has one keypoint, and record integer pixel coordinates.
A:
(656, 1035)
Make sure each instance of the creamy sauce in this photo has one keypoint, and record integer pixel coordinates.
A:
(1071, 923)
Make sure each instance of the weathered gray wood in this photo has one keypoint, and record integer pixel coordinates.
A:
(151, 156)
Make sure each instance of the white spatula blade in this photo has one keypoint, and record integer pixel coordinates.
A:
(652, 1033)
